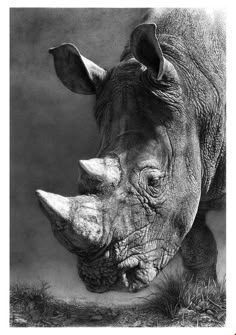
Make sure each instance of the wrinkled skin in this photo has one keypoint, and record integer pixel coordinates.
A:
(160, 112)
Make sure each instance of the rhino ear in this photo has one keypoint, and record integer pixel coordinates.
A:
(146, 48)
(76, 72)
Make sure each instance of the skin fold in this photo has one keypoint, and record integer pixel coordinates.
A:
(161, 115)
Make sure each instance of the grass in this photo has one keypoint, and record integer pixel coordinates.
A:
(180, 303)
(189, 303)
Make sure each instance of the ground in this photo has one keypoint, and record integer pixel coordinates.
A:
(181, 303)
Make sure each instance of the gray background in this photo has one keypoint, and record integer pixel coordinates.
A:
(51, 128)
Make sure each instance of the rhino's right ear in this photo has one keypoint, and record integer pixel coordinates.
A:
(76, 72)
(146, 48)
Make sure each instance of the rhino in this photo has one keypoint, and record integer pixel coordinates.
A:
(161, 116)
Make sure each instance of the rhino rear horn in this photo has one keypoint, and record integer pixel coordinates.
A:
(104, 169)
(146, 48)
(76, 72)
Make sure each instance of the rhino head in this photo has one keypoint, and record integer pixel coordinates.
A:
(138, 199)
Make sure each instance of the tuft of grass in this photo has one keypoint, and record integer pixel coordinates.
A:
(22, 292)
(24, 295)
(191, 301)
(29, 303)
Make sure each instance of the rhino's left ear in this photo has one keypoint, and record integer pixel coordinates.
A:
(76, 72)
(146, 48)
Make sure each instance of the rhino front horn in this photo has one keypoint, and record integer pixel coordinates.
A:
(54, 204)
(77, 222)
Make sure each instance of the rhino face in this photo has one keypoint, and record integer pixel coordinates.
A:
(139, 197)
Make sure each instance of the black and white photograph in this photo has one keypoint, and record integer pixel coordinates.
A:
(117, 167)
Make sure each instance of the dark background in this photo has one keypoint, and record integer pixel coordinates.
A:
(51, 128)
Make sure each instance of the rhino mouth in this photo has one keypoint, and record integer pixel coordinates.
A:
(130, 281)
(102, 273)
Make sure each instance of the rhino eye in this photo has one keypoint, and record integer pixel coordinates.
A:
(153, 181)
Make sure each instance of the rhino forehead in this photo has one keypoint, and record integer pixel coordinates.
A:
(128, 110)
(118, 99)
(126, 71)
(129, 102)
(120, 111)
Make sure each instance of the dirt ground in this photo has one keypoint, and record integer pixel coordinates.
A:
(35, 307)
(94, 316)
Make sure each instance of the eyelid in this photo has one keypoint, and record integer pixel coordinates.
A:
(150, 163)
(157, 172)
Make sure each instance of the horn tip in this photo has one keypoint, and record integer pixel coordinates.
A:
(38, 192)
(82, 163)
(41, 194)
